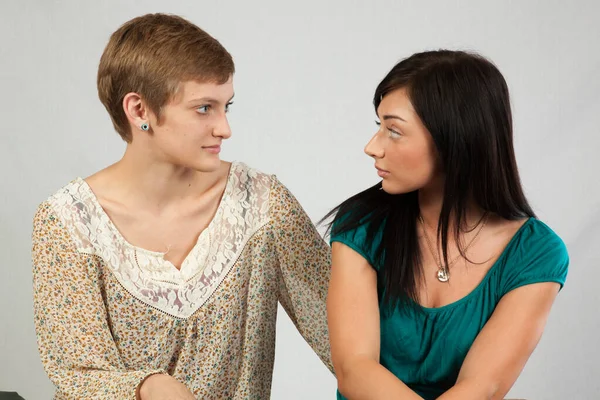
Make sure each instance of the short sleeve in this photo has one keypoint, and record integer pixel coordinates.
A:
(358, 239)
(542, 257)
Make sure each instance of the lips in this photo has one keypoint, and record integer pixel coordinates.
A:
(382, 172)
(216, 149)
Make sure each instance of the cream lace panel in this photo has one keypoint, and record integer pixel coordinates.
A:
(243, 210)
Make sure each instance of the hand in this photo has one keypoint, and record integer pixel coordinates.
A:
(164, 387)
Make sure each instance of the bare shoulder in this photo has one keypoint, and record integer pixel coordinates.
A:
(496, 236)
(503, 229)
(101, 182)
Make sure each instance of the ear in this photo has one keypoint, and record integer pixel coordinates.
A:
(136, 111)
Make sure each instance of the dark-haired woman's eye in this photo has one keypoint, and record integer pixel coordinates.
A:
(393, 134)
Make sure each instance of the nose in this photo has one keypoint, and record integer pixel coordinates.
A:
(374, 148)
(222, 128)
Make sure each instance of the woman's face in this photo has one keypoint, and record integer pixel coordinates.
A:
(404, 152)
(192, 126)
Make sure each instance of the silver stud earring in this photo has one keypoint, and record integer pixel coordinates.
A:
(144, 127)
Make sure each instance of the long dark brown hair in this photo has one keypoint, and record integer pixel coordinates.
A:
(463, 101)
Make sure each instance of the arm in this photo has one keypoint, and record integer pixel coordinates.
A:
(508, 338)
(304, 266)
(353, 313)
(74, 339)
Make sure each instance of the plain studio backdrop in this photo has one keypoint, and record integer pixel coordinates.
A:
(306, 73)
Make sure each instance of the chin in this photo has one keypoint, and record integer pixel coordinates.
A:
(391, 188)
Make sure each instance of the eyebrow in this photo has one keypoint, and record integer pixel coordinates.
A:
(389, 116)
(209, 100)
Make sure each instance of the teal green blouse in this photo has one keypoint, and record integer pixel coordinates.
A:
(425, 347)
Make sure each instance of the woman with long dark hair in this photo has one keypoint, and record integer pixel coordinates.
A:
(442, 276)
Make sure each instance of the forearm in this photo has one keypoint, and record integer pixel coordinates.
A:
(472, 389)
(366, 379)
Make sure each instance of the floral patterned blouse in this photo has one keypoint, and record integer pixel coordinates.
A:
(108, 314)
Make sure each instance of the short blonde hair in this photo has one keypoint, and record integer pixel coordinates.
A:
(151, 55)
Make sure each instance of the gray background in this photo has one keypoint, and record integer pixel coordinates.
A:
(306, 74)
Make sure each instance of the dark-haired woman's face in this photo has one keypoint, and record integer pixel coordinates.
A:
(404, 152)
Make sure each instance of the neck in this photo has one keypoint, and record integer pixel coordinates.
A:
(431, 200)
(153, 184)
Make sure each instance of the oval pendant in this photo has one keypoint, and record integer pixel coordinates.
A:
(443, 275)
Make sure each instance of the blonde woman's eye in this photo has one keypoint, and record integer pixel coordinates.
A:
(203, 109)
